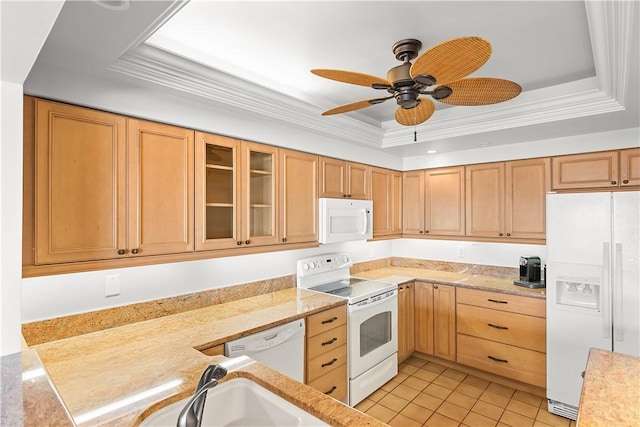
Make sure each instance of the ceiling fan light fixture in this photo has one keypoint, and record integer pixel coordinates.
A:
(425, 79)
(407, 98)
(441, 92)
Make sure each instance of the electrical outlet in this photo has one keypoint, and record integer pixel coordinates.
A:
(460, 251)
(112, 285)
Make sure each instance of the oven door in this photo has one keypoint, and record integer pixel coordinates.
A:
(373, 333)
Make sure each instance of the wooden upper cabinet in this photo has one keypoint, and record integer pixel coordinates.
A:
(527, 185)
(507, 200)
(339, 178)
(298, 209)
(386, 193)
(217, 194)
(413, 201)
(80, 184)
(236, 193)
(630, 167)
(485, 200)
(434, 202)
(109, 187)
(397, 203)
(160, 188)
(444, 201)
(590, 170)
(259, 188)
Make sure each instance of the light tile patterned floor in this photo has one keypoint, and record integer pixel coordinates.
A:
(429, 394)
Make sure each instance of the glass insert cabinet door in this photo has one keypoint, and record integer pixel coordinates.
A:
(260, 167)
(235, 193)
(217, 192)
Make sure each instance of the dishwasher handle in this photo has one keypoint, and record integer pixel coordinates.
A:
(253, 344)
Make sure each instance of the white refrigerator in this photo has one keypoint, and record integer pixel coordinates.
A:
(593, 283)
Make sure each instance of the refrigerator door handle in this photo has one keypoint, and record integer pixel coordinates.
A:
(606, 291)
(617, 295)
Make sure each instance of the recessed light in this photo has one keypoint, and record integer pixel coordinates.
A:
(431, 151)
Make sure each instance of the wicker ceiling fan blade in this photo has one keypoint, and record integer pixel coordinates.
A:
(481, 91)
(414, 116)
(354, 106)
(351, 77)
(453, 59)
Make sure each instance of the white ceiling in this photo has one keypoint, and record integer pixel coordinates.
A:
(577, 62)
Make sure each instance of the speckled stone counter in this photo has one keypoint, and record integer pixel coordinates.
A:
(611, 390)
(120, 375)
(398, 275)
(27, 397)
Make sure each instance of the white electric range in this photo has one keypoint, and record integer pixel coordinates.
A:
(372, 323)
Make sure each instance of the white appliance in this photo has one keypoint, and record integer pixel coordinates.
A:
(372, 323)
(280, 348)
(593, 286)
(344, 220)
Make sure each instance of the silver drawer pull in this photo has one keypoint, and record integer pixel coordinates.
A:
(498, 360)
(497, 327)
(324, 365)
(497, 301)
(333, 319)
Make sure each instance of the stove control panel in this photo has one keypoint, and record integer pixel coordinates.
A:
(323, 264)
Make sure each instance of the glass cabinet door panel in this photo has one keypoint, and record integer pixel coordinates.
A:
(219, 156)
(220, 186)
(218, 192)
(220, 222)
(261, 194)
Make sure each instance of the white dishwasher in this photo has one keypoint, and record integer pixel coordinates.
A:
(280, 348)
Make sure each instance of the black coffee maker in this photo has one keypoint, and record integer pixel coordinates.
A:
(530, 273)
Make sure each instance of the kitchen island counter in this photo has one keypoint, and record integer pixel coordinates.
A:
(120, 375)
(611, 390)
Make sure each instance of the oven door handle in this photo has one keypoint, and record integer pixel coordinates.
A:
(355, 307)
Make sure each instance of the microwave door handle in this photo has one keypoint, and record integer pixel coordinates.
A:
(367, 221)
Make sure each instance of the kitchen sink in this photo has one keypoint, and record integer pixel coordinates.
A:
(239, 402)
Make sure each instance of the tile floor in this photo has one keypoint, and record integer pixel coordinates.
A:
(428, 394)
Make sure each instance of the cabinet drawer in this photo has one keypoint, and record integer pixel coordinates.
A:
(513, 362)
(325, 320)
(332, 384)
(508, 328)
(326, 341)
(326, 362)
(505, 302)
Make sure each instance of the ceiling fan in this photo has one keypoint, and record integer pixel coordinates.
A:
(438, 72)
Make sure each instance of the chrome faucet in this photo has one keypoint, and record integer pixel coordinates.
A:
(191, 414)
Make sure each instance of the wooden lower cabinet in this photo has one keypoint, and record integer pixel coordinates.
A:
(406, 322)
(326, 352)
(435, 320)
(502, 333)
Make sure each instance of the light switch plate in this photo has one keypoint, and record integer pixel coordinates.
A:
(112, 285)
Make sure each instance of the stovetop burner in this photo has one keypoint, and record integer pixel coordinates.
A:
(329, 273)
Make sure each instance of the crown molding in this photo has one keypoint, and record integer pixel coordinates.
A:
(610, 27)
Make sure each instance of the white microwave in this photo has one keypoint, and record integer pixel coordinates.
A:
(345, 220)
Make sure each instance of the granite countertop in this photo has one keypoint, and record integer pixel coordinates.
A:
(120, 375)
(611, 390)
(401, 275)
